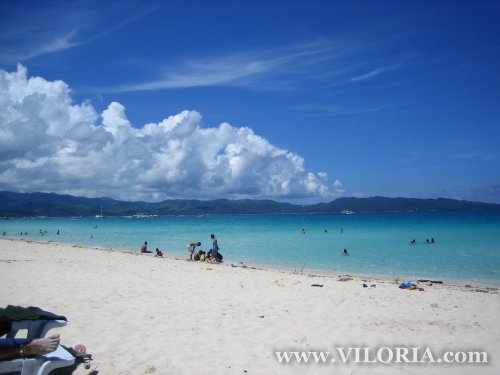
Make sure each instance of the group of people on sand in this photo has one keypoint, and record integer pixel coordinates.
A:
(213, 255)
(144, 250)
(209, 256)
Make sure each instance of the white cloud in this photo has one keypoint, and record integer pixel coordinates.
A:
(263, 69)
(222, 72)
(44, 27)
(50, 143)
(338, 188)
(373, 73)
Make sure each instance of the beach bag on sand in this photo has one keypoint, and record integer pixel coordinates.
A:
(407, 285)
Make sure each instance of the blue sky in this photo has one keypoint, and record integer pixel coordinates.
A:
(317, 99)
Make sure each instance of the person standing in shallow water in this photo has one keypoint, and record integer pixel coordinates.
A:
(215, 247)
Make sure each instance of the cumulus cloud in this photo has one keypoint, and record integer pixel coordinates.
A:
(50, 143)
(338, 188)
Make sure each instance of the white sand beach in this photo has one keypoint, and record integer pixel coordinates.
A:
(138, 314)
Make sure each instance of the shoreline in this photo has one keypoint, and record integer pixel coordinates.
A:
(380, 249)
(139, 314)
(455, 283)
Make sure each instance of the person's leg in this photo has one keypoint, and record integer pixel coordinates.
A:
(14, 342)
(15, 348)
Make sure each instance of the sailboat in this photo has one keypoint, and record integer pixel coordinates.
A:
(99, 216)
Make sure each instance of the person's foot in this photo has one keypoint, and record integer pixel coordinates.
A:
(43, 346)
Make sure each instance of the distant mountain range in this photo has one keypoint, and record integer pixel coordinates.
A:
(55, 205)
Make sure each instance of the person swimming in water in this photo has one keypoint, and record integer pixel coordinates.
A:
(345, 252)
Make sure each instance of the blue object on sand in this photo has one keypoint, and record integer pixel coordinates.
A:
(407, 285)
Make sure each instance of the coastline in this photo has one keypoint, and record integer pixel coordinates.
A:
(379, 244)
(312, 272)
(139, 314)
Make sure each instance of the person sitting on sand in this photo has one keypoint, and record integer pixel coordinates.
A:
(159, 253)
(345, 252)
(21, 348)
(191, 248)
(202, 256)
(197, 256)
(214, 258)
(144, 248)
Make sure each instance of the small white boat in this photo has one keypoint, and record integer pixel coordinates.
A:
(99, 216)
(143, 216)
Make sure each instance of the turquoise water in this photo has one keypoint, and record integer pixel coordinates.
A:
(467, 243)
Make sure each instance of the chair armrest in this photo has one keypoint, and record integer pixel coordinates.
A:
(35, 328)
(13, 365)
(42, 365)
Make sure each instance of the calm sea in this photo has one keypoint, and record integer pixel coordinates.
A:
(466, 248)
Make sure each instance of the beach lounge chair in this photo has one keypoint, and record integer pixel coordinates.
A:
(34, 319)
(42, 365)
(35, 328)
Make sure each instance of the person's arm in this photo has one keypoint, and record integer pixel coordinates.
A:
(9, 352)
